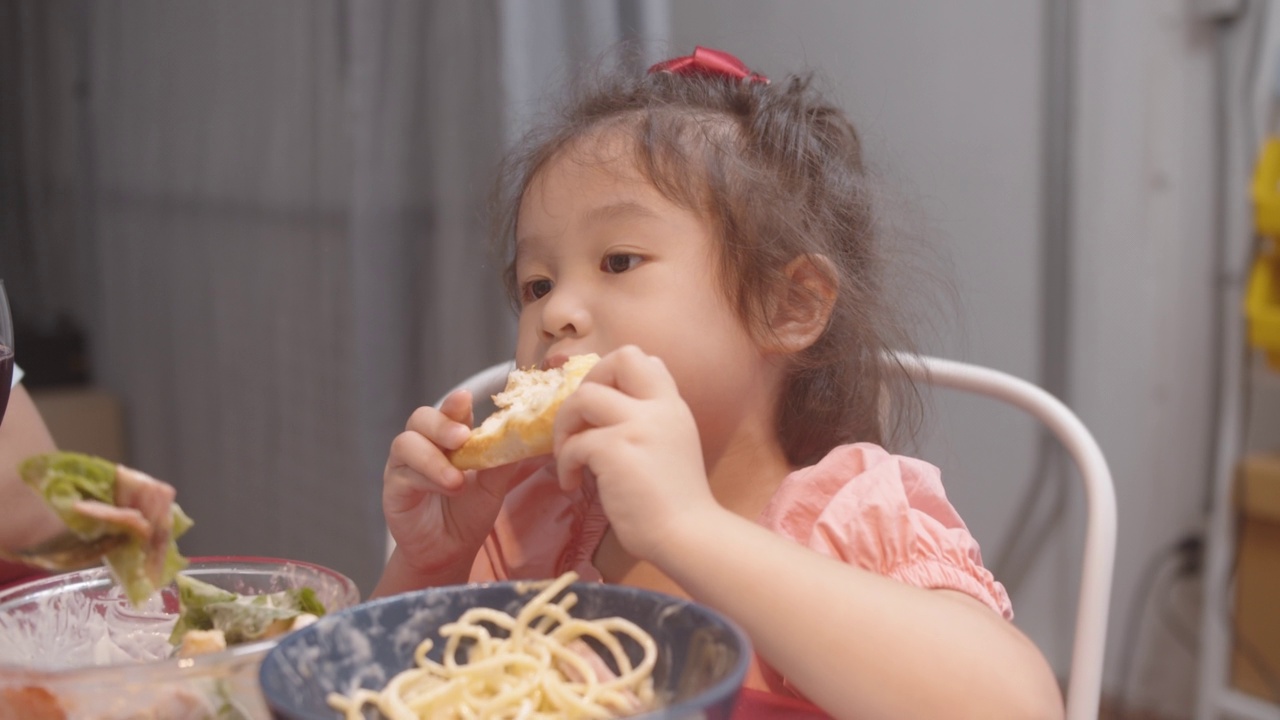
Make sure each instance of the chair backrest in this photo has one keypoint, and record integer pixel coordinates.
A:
(1084, 684)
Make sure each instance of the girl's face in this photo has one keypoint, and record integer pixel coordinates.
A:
(604, 260)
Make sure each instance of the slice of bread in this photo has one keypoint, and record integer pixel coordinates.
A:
(521, 426)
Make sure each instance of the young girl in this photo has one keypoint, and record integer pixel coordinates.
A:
(709, 235)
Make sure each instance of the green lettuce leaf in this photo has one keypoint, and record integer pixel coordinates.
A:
(65, 478)
(241, 618)
(193, 597)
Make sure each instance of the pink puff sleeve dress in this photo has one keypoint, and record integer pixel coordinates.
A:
(884, 513)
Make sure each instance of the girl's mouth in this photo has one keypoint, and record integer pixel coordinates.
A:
(554, 360)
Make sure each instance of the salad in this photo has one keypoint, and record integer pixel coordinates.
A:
(212, 618)
(97, 499)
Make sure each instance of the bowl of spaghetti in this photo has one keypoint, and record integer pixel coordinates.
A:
(558, 648)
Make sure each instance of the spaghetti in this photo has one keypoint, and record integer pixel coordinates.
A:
(544, 667)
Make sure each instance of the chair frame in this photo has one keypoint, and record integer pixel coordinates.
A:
(1088, 650)
(1084, 684)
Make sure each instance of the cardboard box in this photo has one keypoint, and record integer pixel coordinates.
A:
(1257, 591)
(83, 419)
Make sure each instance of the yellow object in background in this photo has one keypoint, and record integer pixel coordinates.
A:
(1262, 297)
(1262, 304)
(1266, 189)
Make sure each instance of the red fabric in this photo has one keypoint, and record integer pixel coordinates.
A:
(708, 61)
(13, 573)
(764, 705)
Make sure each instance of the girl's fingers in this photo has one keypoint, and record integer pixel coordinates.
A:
(445, 431)
(149, 496)
(634, 373)
(458, 407)
(573, 460)
(609, 392)
(591, 405)
(418, 462)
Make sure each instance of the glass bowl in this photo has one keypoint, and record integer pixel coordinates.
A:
(72, 647)
(701, 663)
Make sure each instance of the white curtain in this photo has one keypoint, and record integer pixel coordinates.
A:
(269, 219)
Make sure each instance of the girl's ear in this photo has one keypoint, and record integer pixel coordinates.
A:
(801, 304)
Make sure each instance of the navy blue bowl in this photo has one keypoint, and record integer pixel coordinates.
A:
(702, 656)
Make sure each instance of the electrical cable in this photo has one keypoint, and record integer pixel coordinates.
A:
(1223, 281)
(1017, 553)
(1178, 628)
(1133, 624)
(1253, 62)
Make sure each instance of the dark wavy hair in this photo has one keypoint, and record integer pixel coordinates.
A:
(779, 173)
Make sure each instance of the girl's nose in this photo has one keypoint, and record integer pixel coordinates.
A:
(564, 315)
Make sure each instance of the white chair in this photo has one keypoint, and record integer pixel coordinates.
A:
(1084, 685)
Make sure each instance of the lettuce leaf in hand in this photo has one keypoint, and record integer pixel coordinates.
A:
(86, 493)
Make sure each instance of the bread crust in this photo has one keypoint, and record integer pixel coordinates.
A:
(513, 433)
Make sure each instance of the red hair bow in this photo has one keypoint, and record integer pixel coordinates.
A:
(706, 61)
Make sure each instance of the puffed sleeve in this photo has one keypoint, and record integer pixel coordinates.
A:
(887, 514)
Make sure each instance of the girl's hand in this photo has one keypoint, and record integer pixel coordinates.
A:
(628, 426)
(439, 515)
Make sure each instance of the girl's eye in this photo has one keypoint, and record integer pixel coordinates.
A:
(619, 263)
(535, 289)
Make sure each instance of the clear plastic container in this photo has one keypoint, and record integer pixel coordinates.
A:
(72, 647)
